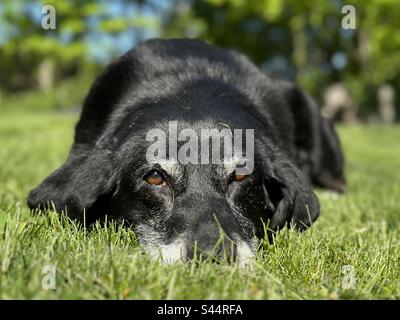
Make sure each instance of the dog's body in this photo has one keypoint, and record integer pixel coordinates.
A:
(172, 205)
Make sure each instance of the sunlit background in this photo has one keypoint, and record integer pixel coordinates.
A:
(355, 74)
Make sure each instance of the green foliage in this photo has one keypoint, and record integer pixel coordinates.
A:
(359, 229)
(307, 35)
(297, 40)
(26, 45)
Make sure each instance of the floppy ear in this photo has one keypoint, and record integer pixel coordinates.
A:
(294, 201)
(331, 166)
(80, 185)
(319, 153)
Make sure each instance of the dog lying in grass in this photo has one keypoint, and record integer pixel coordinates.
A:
(140, 153)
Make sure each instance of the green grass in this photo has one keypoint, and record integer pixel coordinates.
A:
(58, 98)
(360, 229)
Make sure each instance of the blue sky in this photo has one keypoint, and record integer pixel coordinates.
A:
(107, 43)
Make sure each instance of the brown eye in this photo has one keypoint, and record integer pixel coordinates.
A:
(154, 178)
(239, 177)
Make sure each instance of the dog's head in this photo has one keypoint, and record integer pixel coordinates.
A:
(196, 198)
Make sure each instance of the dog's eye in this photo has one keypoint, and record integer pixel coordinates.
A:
(239, 177)
(154, 178)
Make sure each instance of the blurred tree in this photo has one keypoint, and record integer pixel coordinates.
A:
(291, 39)
(302, 40)
(31, 56)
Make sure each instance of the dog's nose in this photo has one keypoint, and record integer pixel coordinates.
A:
(211, 243)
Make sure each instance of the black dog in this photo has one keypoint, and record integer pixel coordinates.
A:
(174, 205)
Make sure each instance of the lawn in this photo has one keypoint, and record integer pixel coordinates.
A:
(352, 252)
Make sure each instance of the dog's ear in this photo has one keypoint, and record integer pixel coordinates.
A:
(290, 193)
(318, 148)
(331, 165)
(77, 187)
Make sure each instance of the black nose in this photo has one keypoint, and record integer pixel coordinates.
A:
(210, 242)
